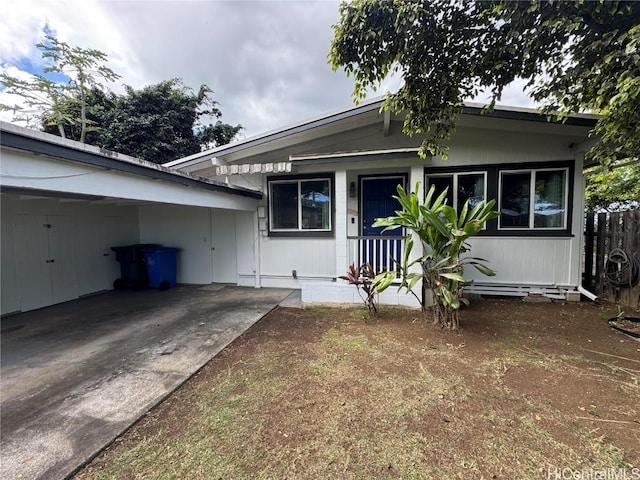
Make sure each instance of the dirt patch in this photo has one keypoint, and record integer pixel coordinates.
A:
(325, 393)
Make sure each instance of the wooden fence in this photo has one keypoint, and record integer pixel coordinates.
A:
(612, 256)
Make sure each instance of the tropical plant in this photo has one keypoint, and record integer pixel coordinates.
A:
(60, 104)
(362, 277)
(443, 233)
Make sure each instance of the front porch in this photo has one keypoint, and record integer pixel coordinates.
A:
(381, 252)
(363, 193)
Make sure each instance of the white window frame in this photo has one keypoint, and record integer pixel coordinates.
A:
(532, 195)
(299, 182)
(455, 175)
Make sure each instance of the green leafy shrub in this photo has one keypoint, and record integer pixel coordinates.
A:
(443, 233)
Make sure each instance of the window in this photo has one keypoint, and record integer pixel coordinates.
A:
(470, 186)
(300, 205)
(533, 199)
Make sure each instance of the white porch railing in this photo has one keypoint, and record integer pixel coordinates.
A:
(378, 251)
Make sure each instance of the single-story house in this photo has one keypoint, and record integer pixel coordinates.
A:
(292, 207)
(325, 180)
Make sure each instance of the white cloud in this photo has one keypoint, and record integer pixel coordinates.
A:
(10, 99)
(265, 61)
(22, 26)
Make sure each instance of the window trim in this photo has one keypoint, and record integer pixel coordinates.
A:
(300, 232)
(532, 192)
(455, 176)
(493, 179)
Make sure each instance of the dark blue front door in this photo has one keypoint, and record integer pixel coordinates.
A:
(376, 197)
(377, 201)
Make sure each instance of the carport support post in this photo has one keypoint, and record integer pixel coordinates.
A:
(342, 256)
(256, 256)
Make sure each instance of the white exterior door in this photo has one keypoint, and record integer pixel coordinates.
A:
(64, 282)
(92, 256)
(45, 260)
(31, 248)
(223, 243)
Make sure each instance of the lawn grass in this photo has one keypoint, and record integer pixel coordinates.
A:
(322, 393)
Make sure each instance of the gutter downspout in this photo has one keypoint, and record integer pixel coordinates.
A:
(587, 293)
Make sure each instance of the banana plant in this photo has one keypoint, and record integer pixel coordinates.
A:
(443, 233)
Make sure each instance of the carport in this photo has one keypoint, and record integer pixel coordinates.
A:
(77, 374)
(64, 204)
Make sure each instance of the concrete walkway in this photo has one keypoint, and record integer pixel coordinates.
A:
(76, 375)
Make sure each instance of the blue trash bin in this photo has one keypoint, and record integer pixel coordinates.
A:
(162, 263)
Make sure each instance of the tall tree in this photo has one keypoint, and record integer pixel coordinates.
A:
(64, 104)
(99, 108)
(159, 123)
(575, 55)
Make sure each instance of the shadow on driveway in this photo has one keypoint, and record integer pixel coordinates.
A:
(75, 375)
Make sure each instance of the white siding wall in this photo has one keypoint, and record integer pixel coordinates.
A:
(187, 228)
(312, 258)
(341, 218)
(478, 141)
(80, 241)
(246, 246)
(482, 146)
(523, 261)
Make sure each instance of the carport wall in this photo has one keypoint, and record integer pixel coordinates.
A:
(78, 235)
(65, 204)
(75, 234)
(210, 249)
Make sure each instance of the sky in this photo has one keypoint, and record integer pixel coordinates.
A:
(266, 61)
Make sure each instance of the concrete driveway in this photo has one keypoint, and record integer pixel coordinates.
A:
(76, 375)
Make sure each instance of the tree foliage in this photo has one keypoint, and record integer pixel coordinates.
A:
(63, 104)
(443, 233)
(158, 123)
(613, 189)
(575, 55)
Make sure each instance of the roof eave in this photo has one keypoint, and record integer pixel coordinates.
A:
(22, 139)
(469, 108)
(276, 134)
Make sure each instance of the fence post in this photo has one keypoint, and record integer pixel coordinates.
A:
(588, 251)
(631, 245)
(600, 253)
